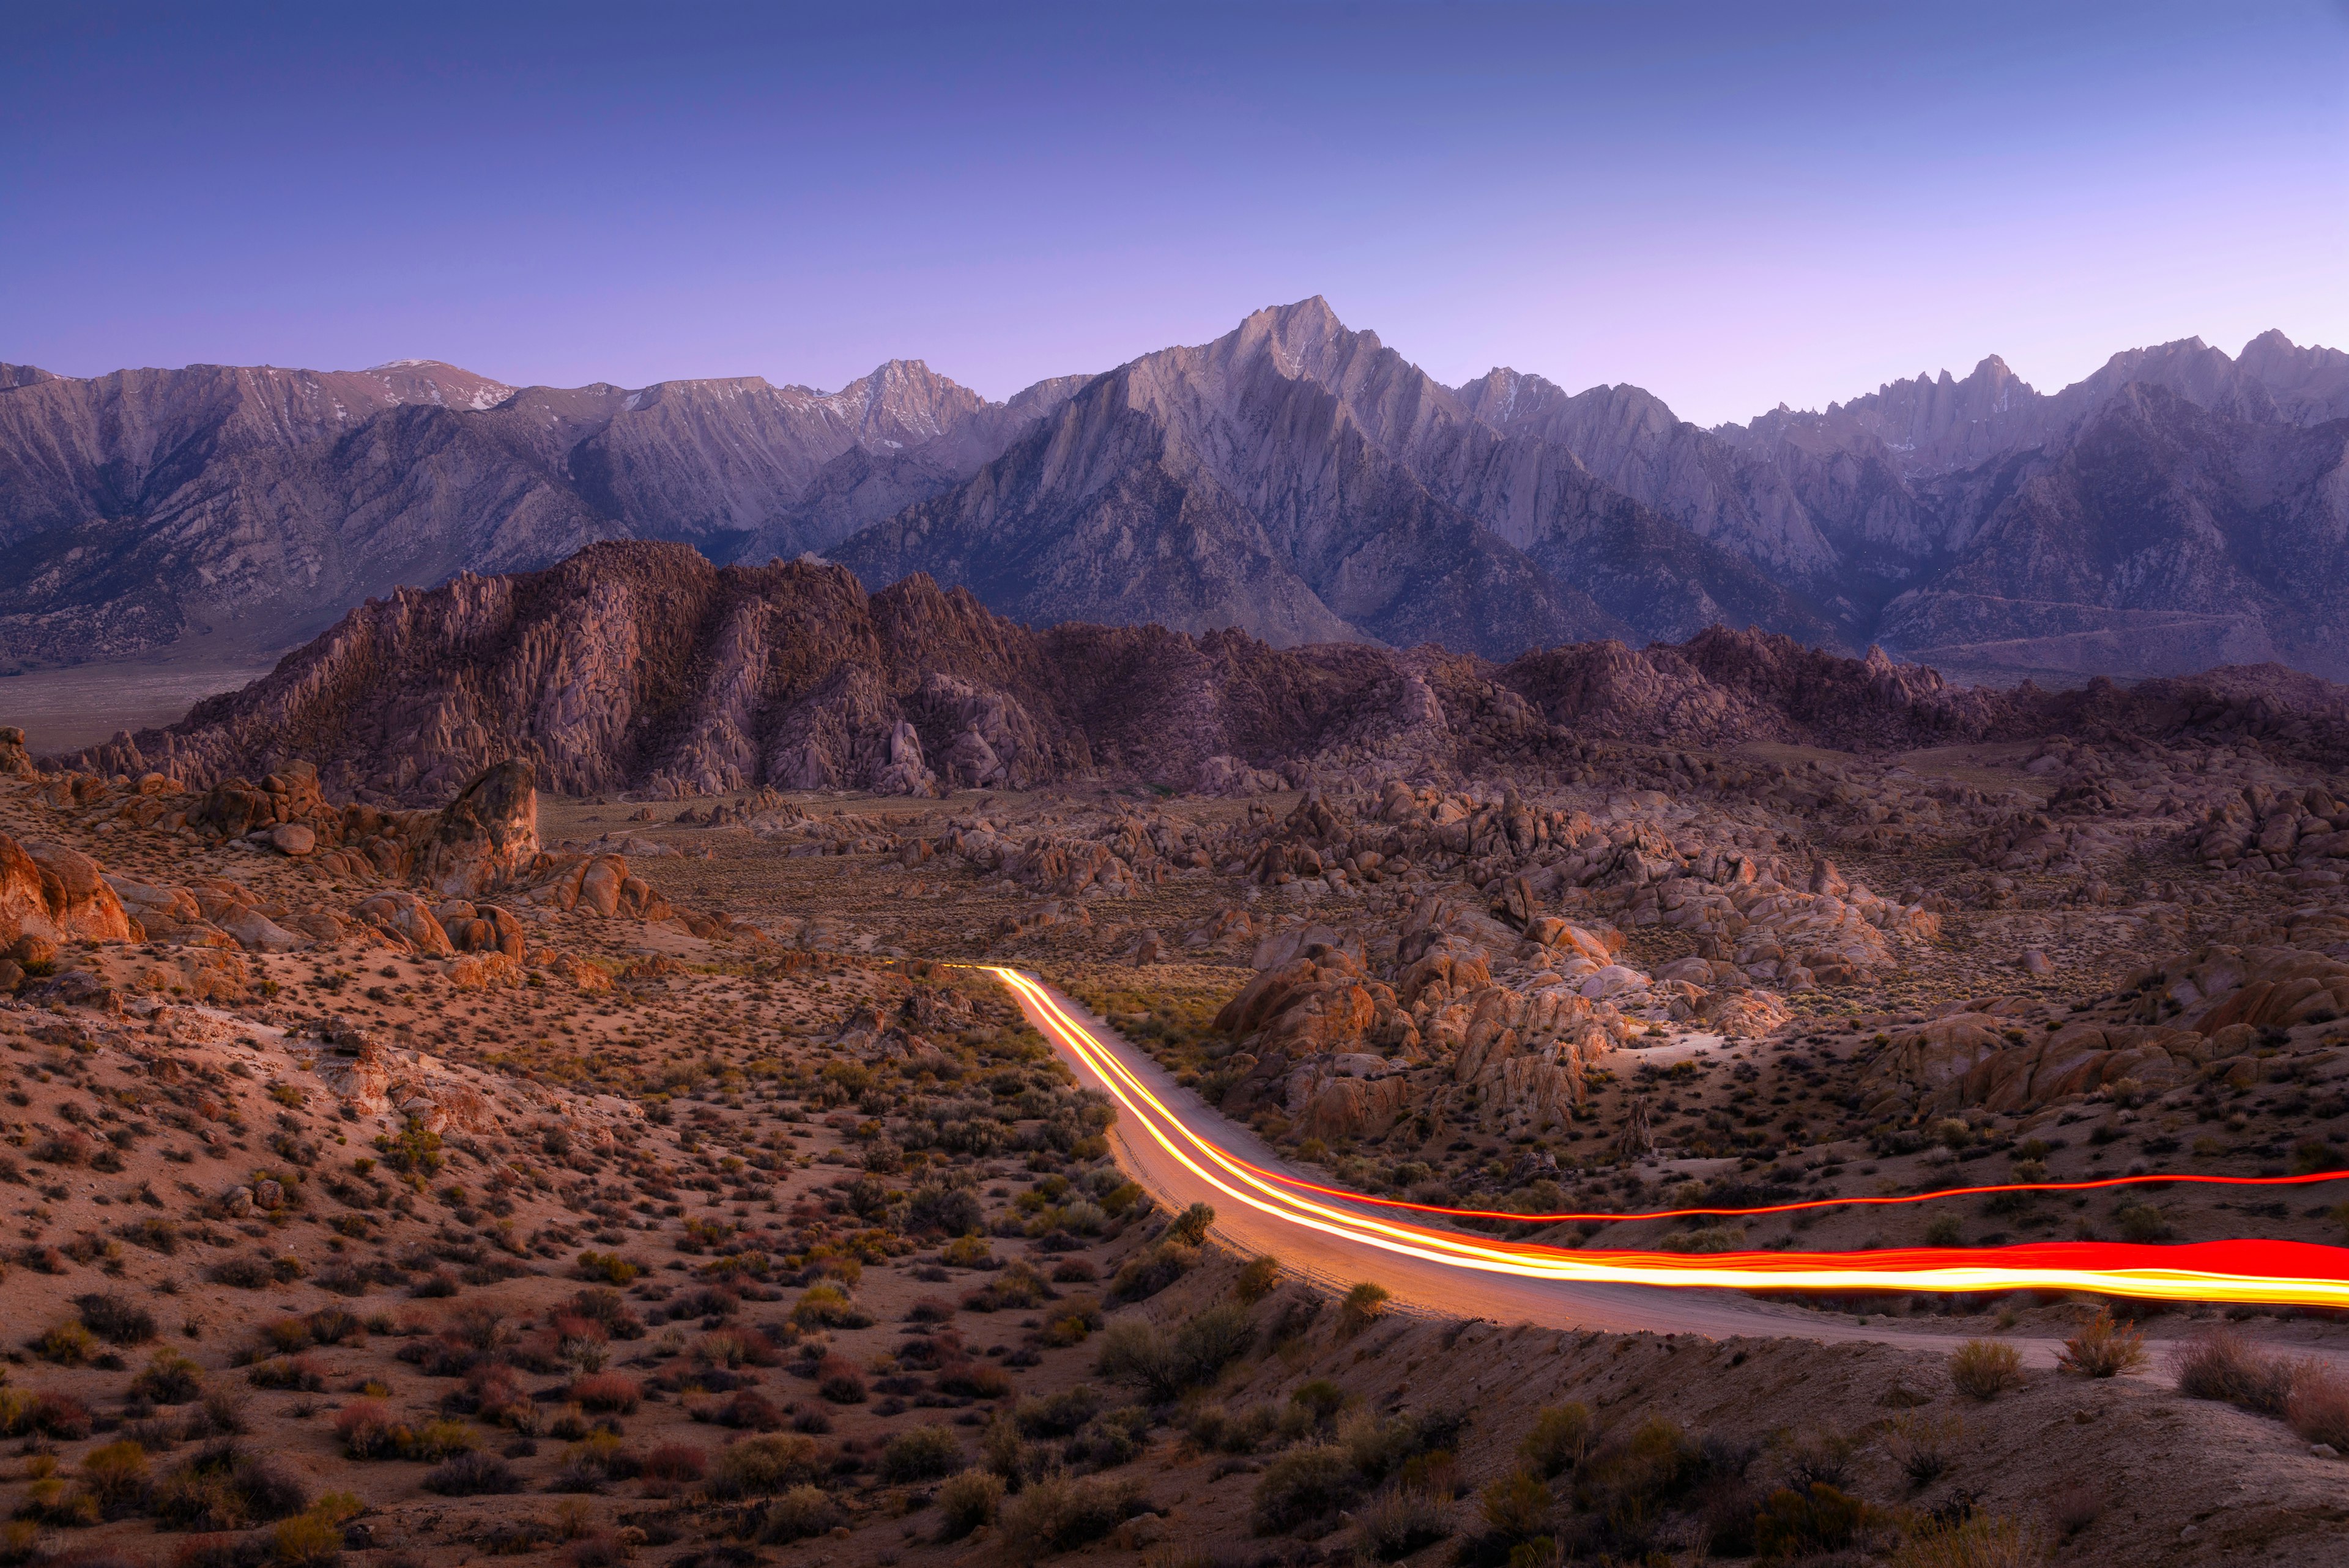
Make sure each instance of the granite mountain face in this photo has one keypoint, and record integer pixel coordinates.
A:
(143, 505)
(1295, 478)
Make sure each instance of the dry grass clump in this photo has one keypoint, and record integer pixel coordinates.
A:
(1168, 1365)
(1360, 1308)
(757, 1467)
(1983, 1369)
(801, 1511)
(1303, 1484)
(471, 1475)
(2223, 1365)
(1984, 1541)
(921, 1453)
(2104, 1347)
(1561, 1436)
(966, 1502)
(1058, 1513)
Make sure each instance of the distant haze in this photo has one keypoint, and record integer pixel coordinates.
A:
(1719, 204)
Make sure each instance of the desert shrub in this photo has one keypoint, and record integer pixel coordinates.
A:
(1982, 1540)
(1017, 1288)
(223, 1412)
(1379, 1447)
(839, 1381)
(434, 1441)
(974, 1380)
(945, 1210)
(1259, 1278)
(1146, 1274)
(48, 1501)
(758, 1467)
(1983, 1369)
(295, 1372)
(20, 1544)
(921, 1453)
(1166, 1365)
(306, 1540)
(225, 1487)
(114, 1319)
(610, 1268)
(1058, 1515)
(1515, 1506)
(1305, 1484)
(594, 1460)
(2223, 1365)
(242, 1272)
(116, 1475)
(1632, 1475)
(1217, 1428)
(1400, 1521)
(824, 1304)
(1803, 1523)
(606, 1393)
(802, 1511)
(50, 1413)
(472, 1475)
(598, 1304)
(68, 1344)
(1057, 1415)
(749, 1411)
(2317, 1408)
(1920, 1444)
(1562, 1435)
(966, 1502)
(167, 1378)
(1360, 1307)
(1190, 1227)
(285, 1337)
(333, 1325)
(2103, 1347)
(364, 1428)
(1818, 1454)
(675, 1462)
(1115, 1438)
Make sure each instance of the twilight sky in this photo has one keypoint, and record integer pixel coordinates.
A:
(1729, 207)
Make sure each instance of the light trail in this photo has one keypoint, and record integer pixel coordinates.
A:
(2247, 1270)
(1608, 1216)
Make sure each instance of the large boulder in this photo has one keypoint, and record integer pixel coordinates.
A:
(488, 834)
(406, 916)
(52, 893)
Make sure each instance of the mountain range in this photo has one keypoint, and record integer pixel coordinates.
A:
(1296, 480)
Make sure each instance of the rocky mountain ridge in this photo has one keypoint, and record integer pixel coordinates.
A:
(148, 504)
(1295, 478)
(641, 666)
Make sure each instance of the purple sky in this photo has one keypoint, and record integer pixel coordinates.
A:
(1721, 205)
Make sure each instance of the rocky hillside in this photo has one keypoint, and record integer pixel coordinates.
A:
(641, 667)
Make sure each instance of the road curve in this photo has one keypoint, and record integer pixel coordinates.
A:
(1431, 1285)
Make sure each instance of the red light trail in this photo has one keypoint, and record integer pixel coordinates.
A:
(2240, 1270)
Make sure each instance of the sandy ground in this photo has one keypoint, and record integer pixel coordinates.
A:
(83, 705)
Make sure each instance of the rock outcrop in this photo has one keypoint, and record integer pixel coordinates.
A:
(50, 894)
(643, 667)
(486, 836)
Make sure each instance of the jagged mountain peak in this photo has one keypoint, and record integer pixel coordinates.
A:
(903, 402)
(438, 382)
(1305, 338)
